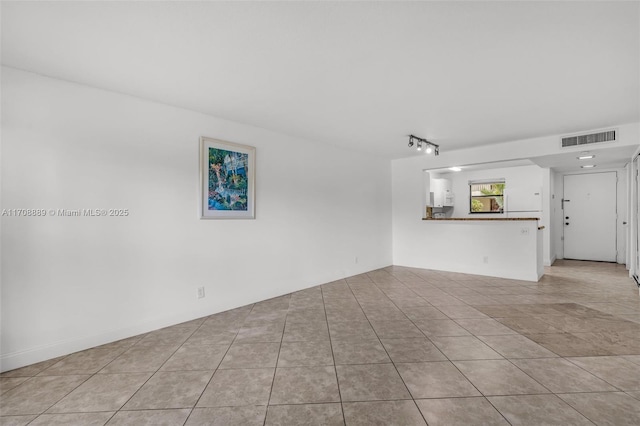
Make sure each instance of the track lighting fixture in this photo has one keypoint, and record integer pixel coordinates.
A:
(420, 143)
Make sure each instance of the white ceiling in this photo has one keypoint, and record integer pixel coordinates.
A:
(612, 157)
(361, 75)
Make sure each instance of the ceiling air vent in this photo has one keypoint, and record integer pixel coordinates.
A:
(607, 136)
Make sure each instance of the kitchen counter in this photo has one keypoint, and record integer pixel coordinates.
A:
(498, 247)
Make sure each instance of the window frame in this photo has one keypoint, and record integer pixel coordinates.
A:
(486, 182)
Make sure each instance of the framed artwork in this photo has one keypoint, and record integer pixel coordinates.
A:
(227, 180)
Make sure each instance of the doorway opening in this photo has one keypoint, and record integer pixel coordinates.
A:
(590, 217)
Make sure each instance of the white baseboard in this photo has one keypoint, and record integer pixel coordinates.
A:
(17, 359)
(13, 360)
(464, 269)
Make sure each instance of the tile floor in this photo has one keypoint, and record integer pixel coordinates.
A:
(396, 346)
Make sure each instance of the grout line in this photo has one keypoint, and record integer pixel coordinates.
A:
(153, 373)
(391, 359)
(384, 290)
(456, 367)
(275, 369)
(335, 366)
(216, 369)
(394, 363)
(65, 395)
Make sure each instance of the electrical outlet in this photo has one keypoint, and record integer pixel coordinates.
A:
(200, 292)
(485, 259)
(356, 260)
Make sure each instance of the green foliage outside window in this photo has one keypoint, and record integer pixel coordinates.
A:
(476, 206)
(487, 197)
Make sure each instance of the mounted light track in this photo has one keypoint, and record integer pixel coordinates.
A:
(420, 144)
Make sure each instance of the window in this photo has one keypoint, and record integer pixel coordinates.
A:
(486, 196)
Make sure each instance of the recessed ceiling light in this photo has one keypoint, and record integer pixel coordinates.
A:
(588, 166)
(586, 157)
(455, 169)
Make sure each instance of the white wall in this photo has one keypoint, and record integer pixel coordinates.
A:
(407, 183)
(522, 182)
(506, 249)
(69, 283)
(519, 182)
(628, 135)
(459, 246)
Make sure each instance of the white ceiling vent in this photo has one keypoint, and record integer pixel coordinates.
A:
(608, 136)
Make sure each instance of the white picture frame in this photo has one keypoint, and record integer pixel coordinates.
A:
(227, 180)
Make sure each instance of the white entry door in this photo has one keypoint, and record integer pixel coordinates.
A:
(590, 216)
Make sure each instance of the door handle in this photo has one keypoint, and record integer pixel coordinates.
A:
(567, 217)
(566, 223)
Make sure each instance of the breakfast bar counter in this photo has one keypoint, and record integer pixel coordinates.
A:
(497, 247)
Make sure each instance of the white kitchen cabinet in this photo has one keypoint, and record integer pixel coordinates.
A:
(442, 195)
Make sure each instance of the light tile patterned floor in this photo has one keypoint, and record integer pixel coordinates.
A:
(394, 346)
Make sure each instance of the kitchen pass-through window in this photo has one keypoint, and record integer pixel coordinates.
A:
(486, 196)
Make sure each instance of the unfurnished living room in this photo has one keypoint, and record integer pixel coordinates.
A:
(320, 213)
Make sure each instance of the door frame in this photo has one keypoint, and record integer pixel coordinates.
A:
(617, 212)
(634, 218)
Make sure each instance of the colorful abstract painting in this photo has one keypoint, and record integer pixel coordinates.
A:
(228, 179)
